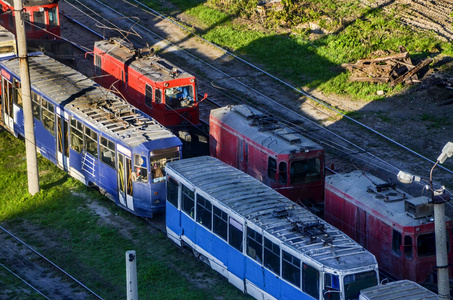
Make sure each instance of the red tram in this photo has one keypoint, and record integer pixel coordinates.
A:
(276, 155)
(397, 229)
(41, 18)
(147, 81)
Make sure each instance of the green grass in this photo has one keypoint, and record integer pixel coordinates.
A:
(58, 222)
(317, 63)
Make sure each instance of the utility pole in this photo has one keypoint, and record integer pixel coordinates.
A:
(30, 141)
(438, 198)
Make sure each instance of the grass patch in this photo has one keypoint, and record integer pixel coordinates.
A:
(358, 32)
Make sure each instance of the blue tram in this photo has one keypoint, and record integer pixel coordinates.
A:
(265, 245)
(91, 133)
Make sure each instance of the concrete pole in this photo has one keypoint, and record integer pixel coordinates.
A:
(30, 142)
(131, 275)
(443, 283)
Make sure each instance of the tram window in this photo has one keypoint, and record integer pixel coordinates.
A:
(188, 202)
(158, 96)
(408, 246)
(254, 245)
(310, 284)
(140, 169)
(97, 65)
(354, 283)
(204, 212)
(396, 242)
(48, 116)
(11, 21)
(272, 256)
(158, 160)
(149, 96)
(282, 171)
(172, 191)
(179, 97)
(291, 268)
(235, 234)
(76, 135)
(305, 171)
(8, 89)
(332, 284)
(27, 23)
(107, 150)
(220, 226)
(53, 19)
(426, 245)
(123, 79)
(39, 20)
(35, 104)
(91, 141)
(17, 93)
(271, 168)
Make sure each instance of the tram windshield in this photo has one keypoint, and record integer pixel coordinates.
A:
(158, 161)
(353, 283)
(179, 97)
(305, 171)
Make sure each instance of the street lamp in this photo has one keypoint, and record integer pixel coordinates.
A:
(438, 198)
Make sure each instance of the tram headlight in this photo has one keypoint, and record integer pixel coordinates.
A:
(157, 201)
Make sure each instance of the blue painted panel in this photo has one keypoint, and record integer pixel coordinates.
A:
(236, 262)
(75, 160)
(107, 179)
(172, 218)
(142, 200)
(188, 226)
(289, 292)
(220, 249)
(158, 192)
(46, 142)
(254, 272)
(19, 122)
(204, 238)
(272, 283)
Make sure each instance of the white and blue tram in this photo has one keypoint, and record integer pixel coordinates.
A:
(265, 245)
(91, 133)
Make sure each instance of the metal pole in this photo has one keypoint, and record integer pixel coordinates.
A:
(30, 142)
(440, 231)
(131, 275)
(440, 234)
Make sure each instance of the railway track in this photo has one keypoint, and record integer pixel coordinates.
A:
(229, 79)
(38, 273)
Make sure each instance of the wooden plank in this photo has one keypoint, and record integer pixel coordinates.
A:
(411, 72)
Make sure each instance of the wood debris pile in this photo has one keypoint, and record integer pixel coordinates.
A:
(391, 69)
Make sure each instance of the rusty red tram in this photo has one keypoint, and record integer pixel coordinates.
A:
(268, 150)
(398, 229)
(41, 18)
(148, 82)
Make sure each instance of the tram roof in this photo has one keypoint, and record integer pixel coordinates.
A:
(148, 64)
(387, 204)
(402, 289)
(78, 94)
(264, 129)
(258, 204)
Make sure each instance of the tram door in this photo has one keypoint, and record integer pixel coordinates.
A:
(7, 103)
(62, 143)
(124, 171)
